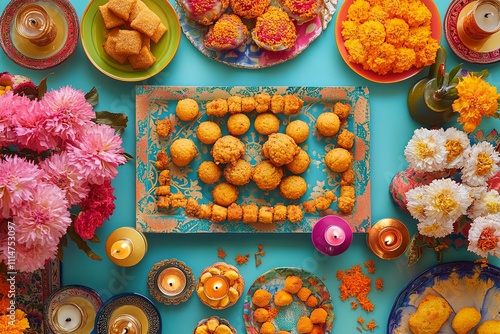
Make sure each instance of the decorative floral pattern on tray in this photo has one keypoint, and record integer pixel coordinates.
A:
(286, 319)
(249, 55)
(158, 102)
(461, 284)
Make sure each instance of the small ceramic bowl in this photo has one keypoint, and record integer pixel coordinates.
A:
(212, 324)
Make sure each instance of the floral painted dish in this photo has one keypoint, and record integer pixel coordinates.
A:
(154, 103)
(26, 55)
(249, 55)
(85, 297)
(461, 284)
(370, 75)
(176, 291)
(93, 34)
(287, 316)
(481, 52)
(133, 304)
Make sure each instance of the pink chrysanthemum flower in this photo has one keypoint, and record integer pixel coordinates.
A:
(70, 112)
(100, 198)
(18, 179)
(66, 176)
(98, 153)
(8, 102)
(28, 259)
(44, 219)
(484, 235)
(87, 222)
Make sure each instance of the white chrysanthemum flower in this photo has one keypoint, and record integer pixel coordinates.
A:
(477, 192)
(435, 228)
(488, 203)
(415, 202)
(481, 164)
(425, 152)
(446, 200)
(456, 143)
(484, 235)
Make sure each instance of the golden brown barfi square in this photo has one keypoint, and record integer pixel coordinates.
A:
(192, 207)
(248, 104)
(163, 190)
(163, 202)
(160, 31)
(217, 107)
(178, 201)
(277, 104)
(164, 177)
(219, 213)
(146, 22)
(345, 139)
(265, 215)
(121, 8)
(294, 213)
(205, 211)
(110, 19)
(263, 101)
(109, 47)
(347, 191)
(163, 127)
(292, 104)
(250, 213)
(128, 42)
(279, 213)
(234, 212)
(143, 60)
(138, 7)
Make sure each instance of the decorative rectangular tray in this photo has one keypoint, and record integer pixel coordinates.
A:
(159, 102)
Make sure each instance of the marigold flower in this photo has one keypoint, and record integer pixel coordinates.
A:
(382, 59)
(371, 34)
(476, 98)
(357, 53)
(358, 11)
(377, 13)
(397, 31)
(417, 37)
(419, 14)
(427, 55)
(405, 58)
(349, 30)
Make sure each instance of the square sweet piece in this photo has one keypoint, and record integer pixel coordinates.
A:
(110, 48)
(160, 31)
(146, 22)
(121, 8)
(110, 19)
(143, 60)
(138, 7)
(128, 42)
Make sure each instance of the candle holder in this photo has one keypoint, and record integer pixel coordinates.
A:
(331, 235)
(71, 309)
(171, 282)
(483, 20)
(388, 238)
(35, 25)
(220, 285)
(126, 246)
(125, 324)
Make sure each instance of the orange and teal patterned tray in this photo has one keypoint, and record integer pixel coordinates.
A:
(158, 102)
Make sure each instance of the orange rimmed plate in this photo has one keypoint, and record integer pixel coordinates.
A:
(370, 75)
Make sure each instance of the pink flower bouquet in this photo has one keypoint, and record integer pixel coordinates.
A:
(56, 166)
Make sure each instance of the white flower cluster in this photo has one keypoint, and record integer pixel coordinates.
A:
(461, 172)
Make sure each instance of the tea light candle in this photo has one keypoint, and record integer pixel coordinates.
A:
(121, 249)
(331, 235)
(388, 238)
(126, 246)
(125, 324)
(483, 20)
(34, 23)
(172, 281)
(68, 317)
(216, 287)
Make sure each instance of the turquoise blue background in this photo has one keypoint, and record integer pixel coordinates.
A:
(319, 65)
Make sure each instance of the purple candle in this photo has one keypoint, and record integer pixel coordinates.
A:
(331, 235)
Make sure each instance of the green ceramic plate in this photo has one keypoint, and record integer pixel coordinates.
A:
(93, 31)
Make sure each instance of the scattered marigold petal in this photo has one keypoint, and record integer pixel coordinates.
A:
(221, 253)
(242, 259)
(379, 284)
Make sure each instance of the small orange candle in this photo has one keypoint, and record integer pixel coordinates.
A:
(121, 249)
(388, 238)
(125, 324)
(172, 281)
(216, 287)
(34, 23)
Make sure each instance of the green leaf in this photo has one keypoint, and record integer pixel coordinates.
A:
(454, 72)
(82, 244)
(128, 156)
(42, 88)
(92, 97)
(414, 251)
(117, 121)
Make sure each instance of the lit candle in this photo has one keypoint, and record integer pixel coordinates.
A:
(331, 235)
(126, 246)
(121, 249)
(172, 281)
(68, 317)
(483, 20)
(216, 287)
(388, 238)
(34, 23)
(125, 324)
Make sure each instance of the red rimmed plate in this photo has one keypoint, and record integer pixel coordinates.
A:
(481, 52)
(61, 10)
(370, 75)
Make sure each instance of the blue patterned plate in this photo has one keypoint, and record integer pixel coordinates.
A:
(459, 283)
(133, 304)
(286, 319)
